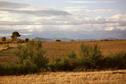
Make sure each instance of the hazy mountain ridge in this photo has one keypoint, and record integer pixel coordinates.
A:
(67, 39)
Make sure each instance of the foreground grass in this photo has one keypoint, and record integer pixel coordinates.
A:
(101, 77)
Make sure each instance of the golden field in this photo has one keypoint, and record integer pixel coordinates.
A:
(59, 49)
(101, 77)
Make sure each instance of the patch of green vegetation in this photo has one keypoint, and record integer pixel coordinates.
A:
(116, 61)
(3, 38)
(58, 40)
(31, 59)
(67, 63)
(90, 57)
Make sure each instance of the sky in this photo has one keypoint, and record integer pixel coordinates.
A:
(73, 19)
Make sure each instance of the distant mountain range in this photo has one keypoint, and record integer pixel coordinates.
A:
(67, 39)
(52, 39)
(77, 35)
(44, 39)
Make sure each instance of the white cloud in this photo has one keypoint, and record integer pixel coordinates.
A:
(29, 20)
(121, 28)
(27, 34)
(8, 5)
(90, 2)
(74, 9)
(37, 12)
(109, 28)
(118, 17)
(103, 11)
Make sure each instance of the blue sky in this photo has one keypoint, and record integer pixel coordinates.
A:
(75, 19)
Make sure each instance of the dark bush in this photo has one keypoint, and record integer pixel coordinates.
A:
(26, 40)
(2, 70)
(67, 63)
(116, 61)
(32, 55)
(57, 40)
(3, 38)
(90, 57)
(31, 59)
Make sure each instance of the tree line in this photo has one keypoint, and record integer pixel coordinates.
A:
(14, 37)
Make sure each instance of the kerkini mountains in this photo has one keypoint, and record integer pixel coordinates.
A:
(78, 36)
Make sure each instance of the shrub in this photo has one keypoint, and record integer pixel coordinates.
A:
(57, 40)
(11, 69)
(70, 61)
(2, 70)
(67, 63)
(26, 40)
(54, 65)
(90, 56)
(29, 66)
(3, 38)
(116, 61)
(32, 55)
(31, 59)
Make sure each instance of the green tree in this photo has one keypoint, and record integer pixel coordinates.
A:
(15, 35)
(32, 55)
(90, 56)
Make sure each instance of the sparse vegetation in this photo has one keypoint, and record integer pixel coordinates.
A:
(90, 57)
(67, 63)
(32, 59)
(27, 39)
(3, 39)
(58, 40)
(15, 35)
(116, 61)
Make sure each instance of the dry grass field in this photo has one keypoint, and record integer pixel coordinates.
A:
(101, 77)
(59, 49)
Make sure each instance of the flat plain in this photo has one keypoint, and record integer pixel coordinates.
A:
(59, 49)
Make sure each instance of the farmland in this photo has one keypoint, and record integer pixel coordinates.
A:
(101, 77)
(59, 49)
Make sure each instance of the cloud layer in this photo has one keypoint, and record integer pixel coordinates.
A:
(6, 4)
(29, 18)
